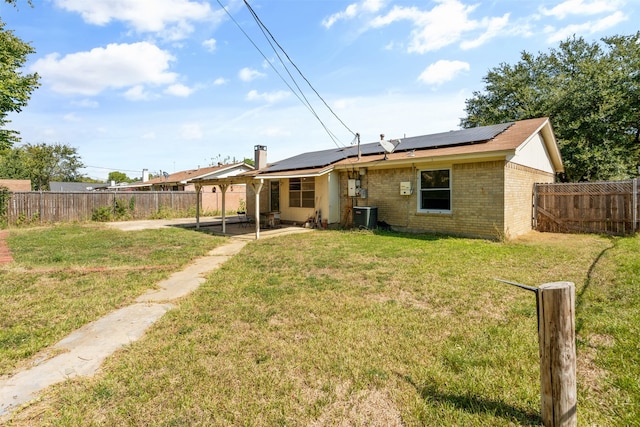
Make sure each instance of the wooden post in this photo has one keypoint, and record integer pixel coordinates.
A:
(257, 187)
(556, 331)
(198, 198)
(223, 188)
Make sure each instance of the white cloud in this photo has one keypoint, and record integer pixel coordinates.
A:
(249, 74)
(179, 90)
(269, 97)
(581, 7)
(442, 71)
(220, 81)
(191, 131)
(86, 103)
(210, 45)
(353, 10)
(71, 117)
(494, 27)
(169, 18)
(114, 66)
(344, 103)
(589, 27)
(443, 25)
(138, 93)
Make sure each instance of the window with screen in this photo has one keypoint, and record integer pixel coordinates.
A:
(435, 191)
(302, 192)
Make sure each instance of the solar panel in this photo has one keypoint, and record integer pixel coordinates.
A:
(314, 159)
(458, 137)
(317, 159)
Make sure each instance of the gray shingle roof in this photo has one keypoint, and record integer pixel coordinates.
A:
(57, 186)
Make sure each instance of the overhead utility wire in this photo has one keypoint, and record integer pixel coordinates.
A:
(257, 48)
(306, 101)
(110, 169)
(278, 73)
(295, 66)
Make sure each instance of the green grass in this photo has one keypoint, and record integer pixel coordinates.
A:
(356, 328)
(66, 276)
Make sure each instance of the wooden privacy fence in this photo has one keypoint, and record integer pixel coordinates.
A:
(45, 206)
(587, 207)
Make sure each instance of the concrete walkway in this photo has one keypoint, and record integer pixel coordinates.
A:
(83, 351)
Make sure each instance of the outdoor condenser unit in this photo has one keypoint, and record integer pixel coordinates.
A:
(365, 217)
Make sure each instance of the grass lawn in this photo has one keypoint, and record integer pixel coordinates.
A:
(66, 276)
(357, 328)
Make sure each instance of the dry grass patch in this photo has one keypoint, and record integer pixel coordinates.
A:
(66, 276)
(338, 328)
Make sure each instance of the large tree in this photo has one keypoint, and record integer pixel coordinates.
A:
(591, 92)
(15, 87)
(118, 177)
(41, 163)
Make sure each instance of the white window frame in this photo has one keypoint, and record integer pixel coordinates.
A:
(421, 190)
(307, 188)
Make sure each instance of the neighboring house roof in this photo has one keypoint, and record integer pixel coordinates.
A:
(184, 177)
(16, 184)
(57, 186)
(486, 141)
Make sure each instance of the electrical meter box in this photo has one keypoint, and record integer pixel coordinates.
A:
(405, 188)
(351, 188)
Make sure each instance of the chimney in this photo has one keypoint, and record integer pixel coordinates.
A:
(145, 175)
(260, 156)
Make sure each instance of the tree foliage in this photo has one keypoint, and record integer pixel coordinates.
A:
(591, 92)
(41, 163)
(15, 87)
(118, 177)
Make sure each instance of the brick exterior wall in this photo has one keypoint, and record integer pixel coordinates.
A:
(519, 182)
(479, 199)
(213, 201)
(16, 184)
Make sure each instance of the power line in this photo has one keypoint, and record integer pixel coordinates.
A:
(111, 169)
(261, 24)
(265, 32)
(258, 49)
(305, 102)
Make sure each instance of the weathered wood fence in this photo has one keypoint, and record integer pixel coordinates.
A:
(45, 206)
(587, 207)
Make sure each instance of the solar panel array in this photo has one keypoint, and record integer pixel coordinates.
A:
(317, 159)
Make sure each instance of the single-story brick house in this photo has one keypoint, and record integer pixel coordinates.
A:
(16, 184)
(210, 195)
(472, 182)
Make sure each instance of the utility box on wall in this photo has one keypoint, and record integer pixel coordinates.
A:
(351, 188)
(365, 217)
(405, 188)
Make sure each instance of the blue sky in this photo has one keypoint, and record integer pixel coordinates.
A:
(175, 84)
